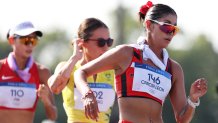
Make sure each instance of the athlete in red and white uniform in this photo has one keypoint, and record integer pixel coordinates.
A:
(125, 81)
(22, 80)
(143, 77)
(15, 93)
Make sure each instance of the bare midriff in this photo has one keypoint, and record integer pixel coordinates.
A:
(140, 110)
(16, 116)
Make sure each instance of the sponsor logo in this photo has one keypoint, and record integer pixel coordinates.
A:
(7, 77)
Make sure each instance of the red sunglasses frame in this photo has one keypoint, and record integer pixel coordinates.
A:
(166, 27)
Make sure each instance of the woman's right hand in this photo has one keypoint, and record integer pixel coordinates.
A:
(91, 106)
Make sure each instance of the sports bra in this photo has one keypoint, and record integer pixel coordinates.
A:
(143, 80)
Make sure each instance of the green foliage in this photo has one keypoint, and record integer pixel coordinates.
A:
(54, 47)
(5, 49)
(40, 111)
(125, 25)
(199, 61)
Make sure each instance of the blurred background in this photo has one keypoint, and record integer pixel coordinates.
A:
(195, 47)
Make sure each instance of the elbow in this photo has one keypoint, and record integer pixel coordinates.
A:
(53, 118)
(56, 92)
(53, 115)
(180, 119)
(52, 86)
(51, 83)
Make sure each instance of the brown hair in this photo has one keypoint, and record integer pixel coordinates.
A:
(88, 26)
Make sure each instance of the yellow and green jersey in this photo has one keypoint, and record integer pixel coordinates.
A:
(103, 89)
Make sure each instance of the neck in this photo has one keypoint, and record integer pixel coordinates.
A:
(158, 52)
(85, 59)
(21, 62)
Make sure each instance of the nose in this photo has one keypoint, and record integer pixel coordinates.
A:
(29, 43)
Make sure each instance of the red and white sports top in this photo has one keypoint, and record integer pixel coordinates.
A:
(143, 80)
(14, 92)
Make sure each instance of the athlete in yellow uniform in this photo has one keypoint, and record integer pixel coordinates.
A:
(94, 40)
(104, 93)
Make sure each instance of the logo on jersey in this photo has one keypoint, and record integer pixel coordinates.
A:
(6, 77)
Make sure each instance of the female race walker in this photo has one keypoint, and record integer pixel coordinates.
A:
(145, 74)
(22, 80)
(93, 40)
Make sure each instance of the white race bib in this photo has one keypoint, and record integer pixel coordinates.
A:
(103, 92)
(17, 95)
(151, 80)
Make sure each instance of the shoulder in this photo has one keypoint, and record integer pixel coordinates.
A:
(42, 68)
(122, 57)
(124, 49)
(44, 73)
(177, 70)
(175, 65)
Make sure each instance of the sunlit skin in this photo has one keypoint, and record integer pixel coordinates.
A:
(84, 52)
(21, 54)
(145, 110)
(157, 40)
(90, 48)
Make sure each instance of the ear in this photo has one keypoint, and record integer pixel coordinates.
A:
(81, 42)
(148, 24)
(11, 40)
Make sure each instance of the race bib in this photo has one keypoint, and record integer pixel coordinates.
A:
(17, 95)
(103, 92)
(151, 80)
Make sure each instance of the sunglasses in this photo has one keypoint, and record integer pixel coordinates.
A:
(166, 27)
(102, 41)
(26, 40)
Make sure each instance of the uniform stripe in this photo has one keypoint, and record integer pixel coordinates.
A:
(136, 55)
(124, 86)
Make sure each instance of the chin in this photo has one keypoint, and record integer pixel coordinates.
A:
(27, 55)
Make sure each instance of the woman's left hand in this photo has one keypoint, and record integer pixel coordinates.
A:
(198, 89)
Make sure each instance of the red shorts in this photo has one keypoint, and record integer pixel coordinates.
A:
(124, 121)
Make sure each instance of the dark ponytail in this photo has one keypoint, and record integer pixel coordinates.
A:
(154, 11)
